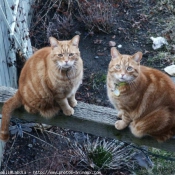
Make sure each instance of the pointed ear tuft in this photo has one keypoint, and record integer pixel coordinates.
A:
(137, 56)
(114, 53)
(75, 40)
(53, 42)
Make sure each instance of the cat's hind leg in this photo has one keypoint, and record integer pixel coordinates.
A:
(157, 124)
(30, 110)
(136, 129)
(49, 113)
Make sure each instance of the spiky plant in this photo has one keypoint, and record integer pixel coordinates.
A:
(102, 154)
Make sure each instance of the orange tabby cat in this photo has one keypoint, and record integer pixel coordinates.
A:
(48, 82)
(144, 97)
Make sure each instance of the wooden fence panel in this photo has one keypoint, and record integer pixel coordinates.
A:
(14, 37)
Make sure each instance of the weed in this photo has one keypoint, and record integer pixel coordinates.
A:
(97, 15)
(61, 25)
(100, 156)
(165, 55)
(161, 166)
(161, 59)
(54, 151)
(103, 154)
(98, 80)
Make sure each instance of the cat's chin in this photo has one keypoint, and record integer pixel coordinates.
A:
(126, 80)
(122, 80)
(66, 67)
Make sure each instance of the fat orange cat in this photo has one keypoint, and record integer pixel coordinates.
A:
(48, 82)
(144, 97)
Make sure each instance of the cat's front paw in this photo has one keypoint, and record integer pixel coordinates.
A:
(69, 111)
(120, 124)
(73, 103)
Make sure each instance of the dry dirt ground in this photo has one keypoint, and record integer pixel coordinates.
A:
(136, 22)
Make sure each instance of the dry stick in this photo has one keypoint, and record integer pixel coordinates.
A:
(47, 12)
(45, 6)
(41, 140)
(40, 159)
(5, 168)
(58, 135)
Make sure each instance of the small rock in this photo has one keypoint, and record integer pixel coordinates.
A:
(34, 141)
(173, 49)
(77, 33)
(98, 41)
(170, 70)
(30, 145)
(112, 43)
(113, 37)
(100, 53)
(119, 46)
(98, 100)
(96, 57)
(91, 33)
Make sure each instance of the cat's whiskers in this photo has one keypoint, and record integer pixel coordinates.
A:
(74, 68)
(132, 84)
(58, 67)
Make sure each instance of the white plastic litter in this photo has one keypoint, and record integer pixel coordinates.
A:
(170, 70)
(158, 42)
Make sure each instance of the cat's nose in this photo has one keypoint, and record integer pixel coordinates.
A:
(66, 62)
(122, 75)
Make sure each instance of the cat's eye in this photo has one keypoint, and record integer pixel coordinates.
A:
(60, 55)
(117, 66)
(129, 68)
(71, 54)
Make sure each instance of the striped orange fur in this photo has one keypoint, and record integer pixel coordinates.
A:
(48, 82)
(145, 99)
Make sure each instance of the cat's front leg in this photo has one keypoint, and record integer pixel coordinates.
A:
(64, 105)
(72, 101)
(122, 124)
(119, 114)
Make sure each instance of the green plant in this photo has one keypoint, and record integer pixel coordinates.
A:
(100, 156)
(161, 166)
(97, 80)
(161, 59)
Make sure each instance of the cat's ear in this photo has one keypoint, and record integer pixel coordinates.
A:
(137, 56)
(53, 42)
(114, 53)
(75, 40)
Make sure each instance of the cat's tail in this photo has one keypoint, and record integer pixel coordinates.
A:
(7, 110)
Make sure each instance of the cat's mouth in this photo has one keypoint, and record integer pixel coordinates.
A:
(122, 79)
(128, 81)
(65, 66)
